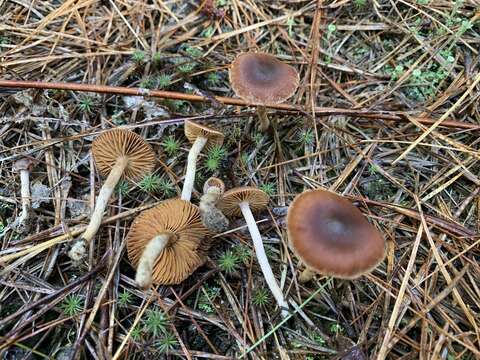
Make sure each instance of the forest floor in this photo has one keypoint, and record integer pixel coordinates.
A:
(402, 143)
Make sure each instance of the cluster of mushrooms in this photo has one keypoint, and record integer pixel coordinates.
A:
(168, 242)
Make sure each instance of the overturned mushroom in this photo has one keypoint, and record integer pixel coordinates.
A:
(166, 244)
(261, 79)
(23, 166)
(212, 217)
(243, 200)
(332, 237)
(201, 137)
(118, 153)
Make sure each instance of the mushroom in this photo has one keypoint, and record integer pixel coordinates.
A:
(23, 166)
(118, 153)
(332, 237)
(261, 79)
(244, 200)
(166, 243)
(201, 137)
(212, 217)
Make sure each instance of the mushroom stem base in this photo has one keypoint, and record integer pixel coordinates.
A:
(306, 275)
(143, 278)
(262, 115)
(195, 150)
(262, 258)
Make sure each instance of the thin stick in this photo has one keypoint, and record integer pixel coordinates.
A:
(319, 111)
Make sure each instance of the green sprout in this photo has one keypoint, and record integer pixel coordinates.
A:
(268, 188)
(228, 262)
(164, 81)
(150, 183)
(167, 343)
(336, 328)
(209, 293)
(147, 83)
(193, 52)
(214, 157)
(122, 187)
(208, 32)
(306, 137)
(166, 187)
(124, 299)
(360, 3)
(213, 79)
(186, 68)
(138, 56)
(157, 57)
(136, 333)
(155, 322)
(260, 297)
(171, 146)
(86, 104)
(72, 305)
(242, 252)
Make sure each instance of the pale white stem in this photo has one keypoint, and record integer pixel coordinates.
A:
(143, 278)
(25, 193)
(262, 258)
(79, 249)
(197, 147)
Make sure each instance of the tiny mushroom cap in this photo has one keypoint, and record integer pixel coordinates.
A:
(214, 182)
(187, 246)
(331, 236)
(116, 143)
(262, 79)
(256, 199)
(194, 130)
(22, 164)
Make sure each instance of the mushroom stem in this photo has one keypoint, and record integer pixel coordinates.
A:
(262, 114)
(25, 193)
(262, 258)
(77, 252)
(143, 278)
(306, 275)
(197, 147)
(213, 219)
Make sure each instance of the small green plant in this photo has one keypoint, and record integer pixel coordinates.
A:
(164, 81)
(213, 79)
(138, 56)
(150, 183)
(147, 83)
(86, 104)
(186, 67)
(291, 24)
(244, 158)
(331, 28)
(228, 262)
(167, 343)
(171, 146)
(122, 187)
(208, 32)
(193, 52)
(360, 3)
(306, 137)
(318, 339)
(166, 188)
(155, 322)
(336, 328)
(268, 188)
(209, 293)
(136, 333)
(72, 305)
(124, 299)
(242, 252)
(214, 157)
(157, 58)
(2, 227)
(260, 297)
(258, 138)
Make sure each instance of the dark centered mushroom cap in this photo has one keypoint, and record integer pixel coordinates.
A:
(262, 79)
(331, 236)
(187, 247)
(111, 145)
(256, 199)
(194, 130)
(214, 182)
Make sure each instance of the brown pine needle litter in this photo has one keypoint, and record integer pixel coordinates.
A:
(387, 114)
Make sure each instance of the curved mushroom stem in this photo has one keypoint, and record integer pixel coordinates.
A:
(306, 275)
(197, 147)
(78, 250)
(262, 258)
(143, 278)
(25, 193)
(262, 115)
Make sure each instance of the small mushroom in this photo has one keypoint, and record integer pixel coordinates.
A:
(244, 200)
(166, 244)
(332, 237)
(23, 166)
(201, 137)
(118, 153)
(261, 79)
(212, 217)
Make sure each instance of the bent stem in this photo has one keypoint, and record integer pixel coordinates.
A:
(143, 278)
(262, 115)
(197, 147)
(262, 258)
(79, 248)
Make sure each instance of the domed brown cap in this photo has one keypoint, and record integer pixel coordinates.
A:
(194, 130)
(187, 248)
(230, 200)
(332, 236)
(262, 79)
(214, 182)
(111, 145)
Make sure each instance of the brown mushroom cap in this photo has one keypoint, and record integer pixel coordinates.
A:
(194, 130)
(22, 164)
(331, 236)
(262, 79)
(214, 182)
(187, 248)
(230, 200)
(111, 145)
